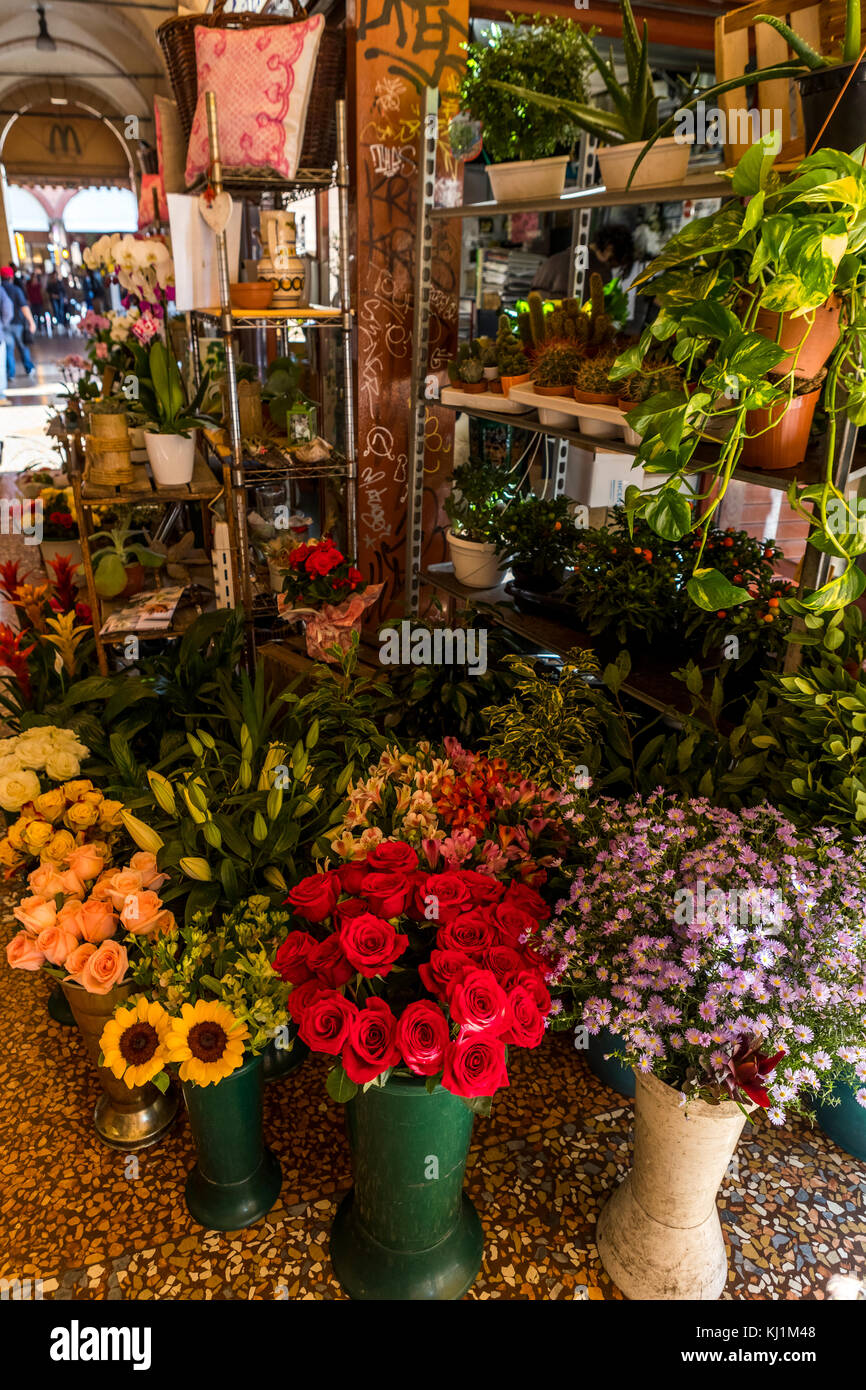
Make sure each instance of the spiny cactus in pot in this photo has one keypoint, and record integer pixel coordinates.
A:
(487, 357)
(511, 360)
(554, 367)
(643, 385)
(592, 383)
(466, 370)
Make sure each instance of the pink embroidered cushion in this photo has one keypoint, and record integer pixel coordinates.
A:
(262, 80)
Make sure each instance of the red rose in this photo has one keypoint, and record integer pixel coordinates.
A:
(329, 965)
(352, 875)
(479, 1004)
(355, 576)
(298, 555)
(531, 981)
(443, 968)
(325, 1024)
(483, 888)
(422, 1037)
(370, 1047)
(393, 857)
(471, 932)
(349, 907)
(301, 997)
(523, 896)
(371, 944)
(527, 1020)
(322, 559)
(315, 896)
(475, 1066)
(447, 894)
(502, 960)
(386, 894)
(513, 921)
(292, 961)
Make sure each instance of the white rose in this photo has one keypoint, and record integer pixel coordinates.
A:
(9, 763)
(17, 788)
(62, 766)
(35, 752)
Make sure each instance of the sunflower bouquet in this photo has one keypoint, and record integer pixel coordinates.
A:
(209, 998)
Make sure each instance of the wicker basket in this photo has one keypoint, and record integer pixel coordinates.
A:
(108, 458)
(177, 40)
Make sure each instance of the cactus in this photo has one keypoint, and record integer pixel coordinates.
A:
(510, 357)
(639, 388)
(537, 319)
(471, 371)
(555, 364)
(487, 352)
(592, 376)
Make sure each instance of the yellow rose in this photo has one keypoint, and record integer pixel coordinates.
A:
(109, 815)
(37, 834)
(59, 847)
(51, 804)
(8, 854)
(93, 798)
(81, 815)
(15, 832)
(17, 788)
(73, 790)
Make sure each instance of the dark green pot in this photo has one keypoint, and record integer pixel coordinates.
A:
(236, 1180)
(844, 1123)
(59, 1009)
(278, 1062)
(609, 1070)
(407, 1231)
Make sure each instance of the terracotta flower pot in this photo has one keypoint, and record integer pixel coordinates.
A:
(784, 445)
(815, 335)
(595, 397)
(666, 163)
(552, 390)
(134, 581)
(125, 1117)
(509, 381)
(472, 388)
(659, 1235)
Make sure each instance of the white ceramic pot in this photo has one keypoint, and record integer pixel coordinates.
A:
(597, 429)
(491, 373)
(476, 564)
(659, 1235)
(666, 163)
(172, 458)
(555, 419)
(528, 178)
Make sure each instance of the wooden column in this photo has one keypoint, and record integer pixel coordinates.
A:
(396, 49)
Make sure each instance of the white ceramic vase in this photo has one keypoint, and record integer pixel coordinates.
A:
(171, 457)
(659, 1235)
(475, 564)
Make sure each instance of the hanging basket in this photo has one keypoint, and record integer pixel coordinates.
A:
(177, 41)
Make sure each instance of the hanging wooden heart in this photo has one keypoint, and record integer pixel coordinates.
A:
(216, 209)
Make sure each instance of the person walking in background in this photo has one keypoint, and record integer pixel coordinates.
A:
(40, 305)
(7, 313)
(57, 296)
(14, 332)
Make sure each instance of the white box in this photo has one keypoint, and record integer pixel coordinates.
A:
(599, 479)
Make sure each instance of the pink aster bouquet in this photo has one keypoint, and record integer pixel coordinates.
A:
(726, 952)
(74, 917)
(395, 967)
(458, 810)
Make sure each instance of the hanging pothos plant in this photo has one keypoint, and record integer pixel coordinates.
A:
(727, 284)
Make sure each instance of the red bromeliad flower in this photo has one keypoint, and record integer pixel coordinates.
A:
(14, 656)
(11, 579)
(63, 600)
(748, 1068)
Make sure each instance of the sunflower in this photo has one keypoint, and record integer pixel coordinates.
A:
(133, 1042)
(207, 1040)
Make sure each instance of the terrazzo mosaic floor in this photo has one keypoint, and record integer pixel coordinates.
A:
(94, 1224)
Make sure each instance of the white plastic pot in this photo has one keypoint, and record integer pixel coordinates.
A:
(528, 178)
(476, 563)
(666, 163)
(171, 457)
(597, 429)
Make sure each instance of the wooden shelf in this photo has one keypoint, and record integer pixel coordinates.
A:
(655, 688)
(574, 200)
(204, 487)
(184, 616)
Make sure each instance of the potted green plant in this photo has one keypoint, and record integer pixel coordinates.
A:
(654, 379)
(120, 563)
(631, 120)
(466, 372)
(489, 363)
(172, 417)
(538, 536)
(511, 359)
(554, 368)
(529, 148)
(716, 900)
(479, 491)
(788, 250)
(777, 436)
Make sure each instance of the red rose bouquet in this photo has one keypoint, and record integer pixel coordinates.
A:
(434, 973)
(321, 586)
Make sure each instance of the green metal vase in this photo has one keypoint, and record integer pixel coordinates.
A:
(279, 1061)
(407, 1230)
(844, 1123)
(236, 1179)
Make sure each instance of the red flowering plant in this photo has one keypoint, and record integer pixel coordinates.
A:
(54, 642)
(321, 586)
(458, 810)
(396, 968)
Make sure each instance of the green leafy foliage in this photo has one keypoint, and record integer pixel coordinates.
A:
(552, 716)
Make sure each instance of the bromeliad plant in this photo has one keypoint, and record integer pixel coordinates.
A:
(784, 248)
(396, 968)
(726, 951)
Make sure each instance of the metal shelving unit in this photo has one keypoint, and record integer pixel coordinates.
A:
(582, 201)
(240, 471)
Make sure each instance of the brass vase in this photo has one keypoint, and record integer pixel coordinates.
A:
(125, 1117)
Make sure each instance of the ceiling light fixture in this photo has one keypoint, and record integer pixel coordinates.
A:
(44, 41)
